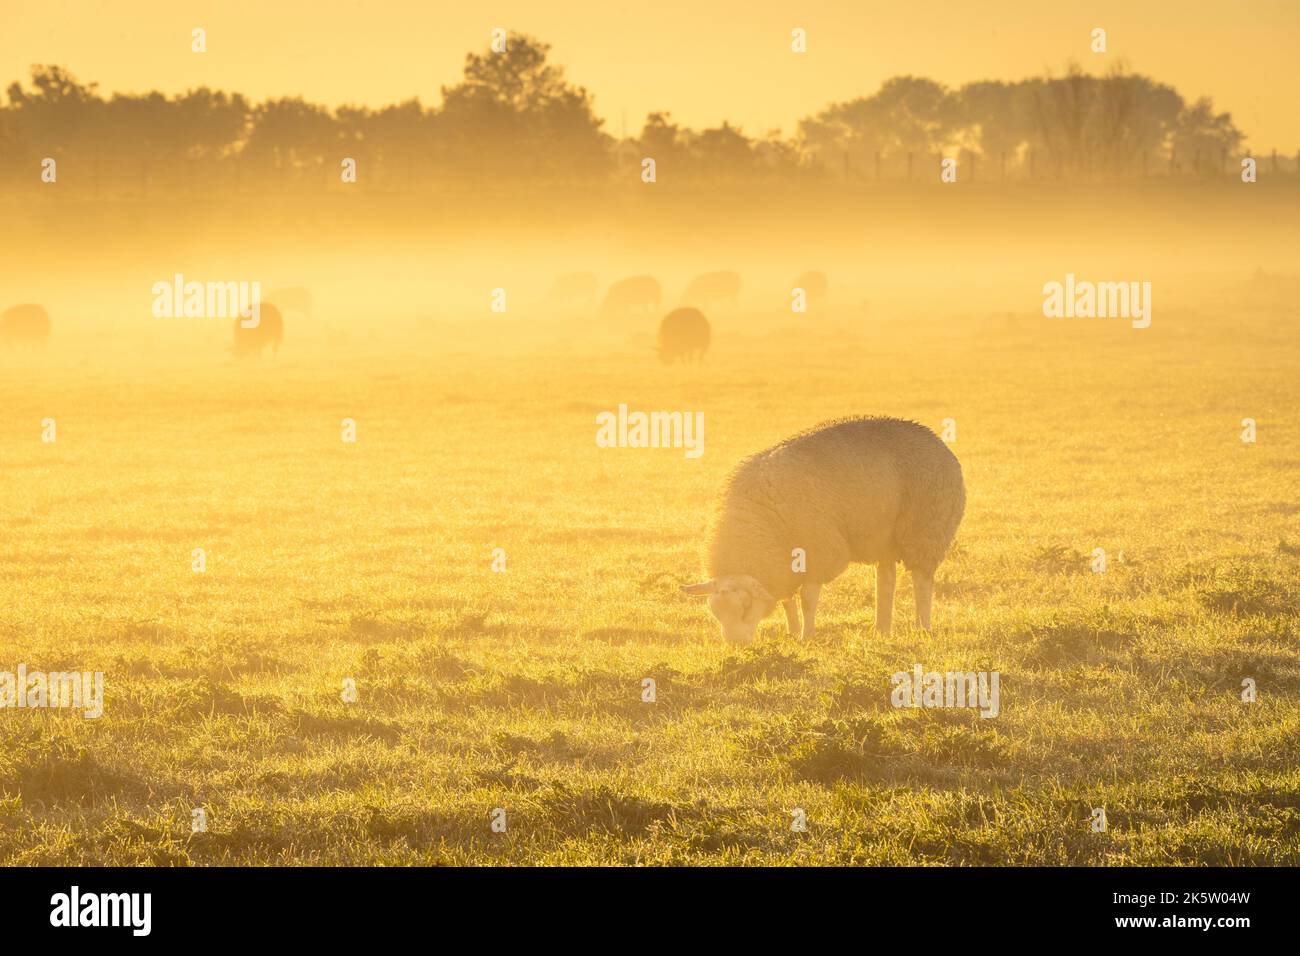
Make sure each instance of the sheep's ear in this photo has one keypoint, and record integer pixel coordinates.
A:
(704, 587)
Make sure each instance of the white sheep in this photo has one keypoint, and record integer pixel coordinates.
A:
(855, 490)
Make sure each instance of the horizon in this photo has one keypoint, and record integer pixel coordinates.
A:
(763, 88)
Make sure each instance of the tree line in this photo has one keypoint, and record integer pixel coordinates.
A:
(514, 118)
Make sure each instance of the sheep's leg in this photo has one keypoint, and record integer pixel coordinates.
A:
(808, 598)
(791, 617)
(886, 578)
(924, 586)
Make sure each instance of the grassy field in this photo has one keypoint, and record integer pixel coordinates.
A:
(522, 690)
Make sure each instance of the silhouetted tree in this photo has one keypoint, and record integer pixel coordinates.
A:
(60, 118)
(1101, 126)
(290, 135)
(514, 116)
(394, 144)
(1199, 131)
(723, 153)
(907, 115)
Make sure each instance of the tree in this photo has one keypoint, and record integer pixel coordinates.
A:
(1199, 131)
(723, 153)
(290, 134)
(59, 117)
(907, 115)
(1100, 126)
(514, 115)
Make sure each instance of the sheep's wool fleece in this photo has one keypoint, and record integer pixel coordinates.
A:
(850, 490)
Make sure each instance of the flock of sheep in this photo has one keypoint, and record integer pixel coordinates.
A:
(871, 490)
(790, 518)
(684, 333)
(29, 325)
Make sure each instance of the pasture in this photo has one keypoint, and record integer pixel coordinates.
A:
(522, 689)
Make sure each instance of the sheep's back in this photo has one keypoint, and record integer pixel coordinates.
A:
(879, 488)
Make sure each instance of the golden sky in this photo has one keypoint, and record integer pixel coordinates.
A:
(702, 60)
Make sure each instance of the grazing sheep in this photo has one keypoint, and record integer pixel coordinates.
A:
(576, 288)
(814, 283)
(250, 342)
(24, 325)
(293, 299)
(867, 490)
(684, 334)
(626, 295)
(711, 288)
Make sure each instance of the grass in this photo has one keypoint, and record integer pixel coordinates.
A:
(522, 690)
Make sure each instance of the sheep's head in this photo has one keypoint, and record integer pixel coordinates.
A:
(738, 601)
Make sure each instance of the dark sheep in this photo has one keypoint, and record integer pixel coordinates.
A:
(683, 334)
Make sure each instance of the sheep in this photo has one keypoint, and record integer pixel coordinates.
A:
(865, 490)
(626, 295)
(684, 334)
(711, 288)
(250, 342)
(27, 325)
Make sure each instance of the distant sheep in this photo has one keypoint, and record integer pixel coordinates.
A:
(637, 293)
(711, 288)
(576, 288)
(683, 334)
(869, 490)
(251, 342)
(814, 283)
(27, 325)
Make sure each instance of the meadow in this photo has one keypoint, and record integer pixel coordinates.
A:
(522, 689)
